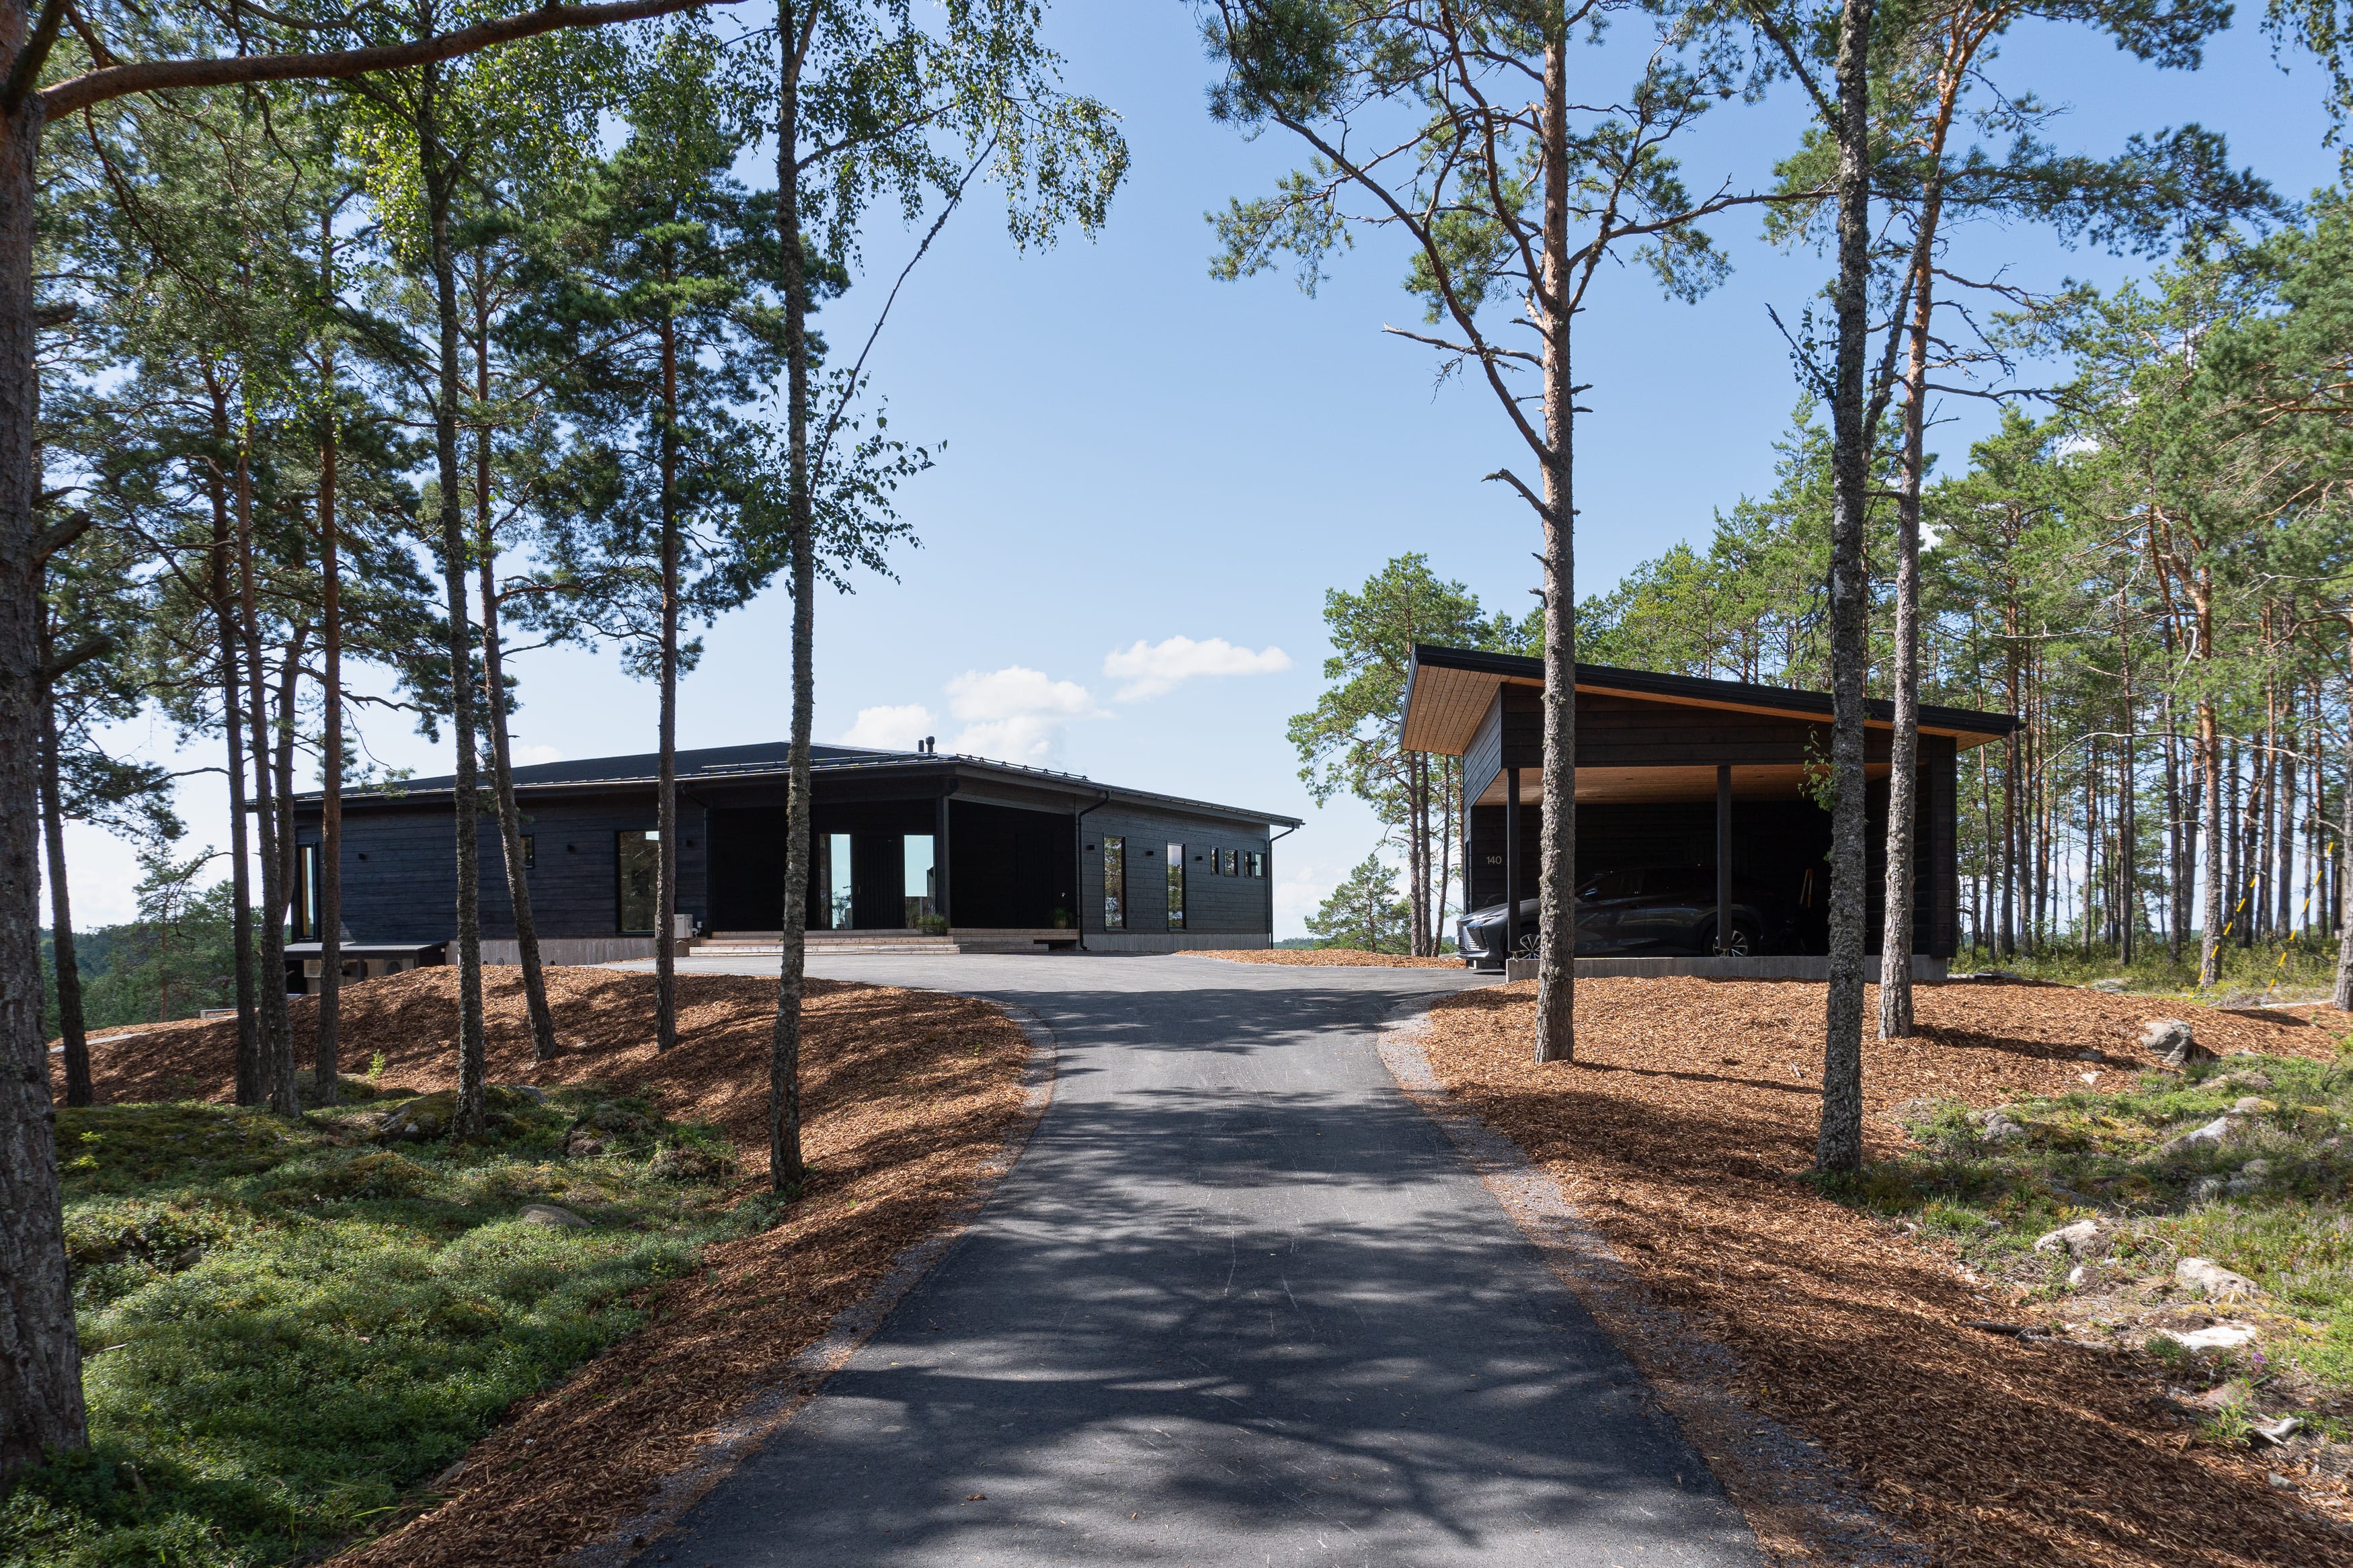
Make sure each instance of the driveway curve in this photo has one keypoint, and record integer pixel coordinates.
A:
(1240, 1302)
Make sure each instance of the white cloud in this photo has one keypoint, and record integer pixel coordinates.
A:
(1151, 669)
(890, 729)
(532, 756)
(1017, 714)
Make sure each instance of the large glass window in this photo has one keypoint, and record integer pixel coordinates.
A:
(922, 885)
(1115, 868)
(1175, 886)
(637, 854)
(838, 909)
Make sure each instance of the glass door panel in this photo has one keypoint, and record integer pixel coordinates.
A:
(923, 884)
(837, 884)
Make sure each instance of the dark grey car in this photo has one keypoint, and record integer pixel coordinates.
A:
(1647, 911)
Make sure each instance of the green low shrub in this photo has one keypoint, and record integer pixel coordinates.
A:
(288, 1326)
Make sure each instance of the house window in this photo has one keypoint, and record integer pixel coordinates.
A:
(531, 851)
(1216, 860)
(1115, 868)
(638, 869)
(1175, 886)
(923, 882)
(307, 894)
(1254, 863)
(839, 908)
(1233, 863)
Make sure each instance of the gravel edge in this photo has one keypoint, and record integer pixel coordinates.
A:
(1802, 1505)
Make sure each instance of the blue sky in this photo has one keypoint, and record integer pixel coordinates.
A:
(1132, 452)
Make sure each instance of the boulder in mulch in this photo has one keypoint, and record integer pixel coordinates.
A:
(551, 1214)
(2215, 1281)
(2172, 1043)
(2080, 1239)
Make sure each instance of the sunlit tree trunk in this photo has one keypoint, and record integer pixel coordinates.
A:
(1556, 892)
(795, 19)
(469, 1121)
(494, 698)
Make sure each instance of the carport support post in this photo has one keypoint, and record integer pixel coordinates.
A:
(1723, 854)
(1511, 863)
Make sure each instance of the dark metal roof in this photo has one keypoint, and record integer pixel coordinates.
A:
(771, 760)
(1696, 690)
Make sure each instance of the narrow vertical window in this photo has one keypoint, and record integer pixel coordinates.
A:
(307, 896)
(840, 915)
(1254, 863)
(636, 854)
(1175, 886)
(1233, 863)
(531, 851)
(1114, 868)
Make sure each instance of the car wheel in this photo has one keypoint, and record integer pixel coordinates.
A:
(1744, 943)
(1531, 944)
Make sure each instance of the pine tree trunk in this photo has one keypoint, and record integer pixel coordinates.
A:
(326, 1068)
(270, 966)
(40, 1359)
(2210, 762)
(469, 1121)
(1556, 892)
(249, 1085)
(1839, 1144)
(795, 19)
(494, 696)
(2343, 999)
(71, 1032)
(666, 766)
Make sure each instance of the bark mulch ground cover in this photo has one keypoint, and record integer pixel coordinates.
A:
(1315, 957)
(1680, 1133)
(908, 1100)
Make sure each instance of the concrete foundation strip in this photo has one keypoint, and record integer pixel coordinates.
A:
(770, 1410)
(1802, 1504)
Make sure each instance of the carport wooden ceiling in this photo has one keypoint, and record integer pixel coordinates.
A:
(1448, 692)
(1613, 785)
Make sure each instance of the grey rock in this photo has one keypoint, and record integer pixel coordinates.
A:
(550, 1215)
(2212, 1280)
(2211, 1136)
(583, 1143)
(2172, 1042)
(687, 1165)
(2206, 1190)
(531, 1092)
(2252, 1105)
(2077, 1240)
(2109, 984)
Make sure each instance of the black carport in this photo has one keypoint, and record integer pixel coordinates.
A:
(1676, 771)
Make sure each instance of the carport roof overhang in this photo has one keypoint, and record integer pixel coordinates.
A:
(1448, 689)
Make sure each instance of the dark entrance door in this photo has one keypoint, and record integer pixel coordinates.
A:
(747, 869)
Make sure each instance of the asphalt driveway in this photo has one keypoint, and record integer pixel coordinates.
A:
(1238, 1303)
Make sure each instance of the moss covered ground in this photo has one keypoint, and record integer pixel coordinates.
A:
(2263, 1194)
(289, 1327)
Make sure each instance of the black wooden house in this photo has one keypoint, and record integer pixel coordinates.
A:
(1677, 771)
(960, 850)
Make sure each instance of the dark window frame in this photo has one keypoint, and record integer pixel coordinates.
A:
(1176, 879)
